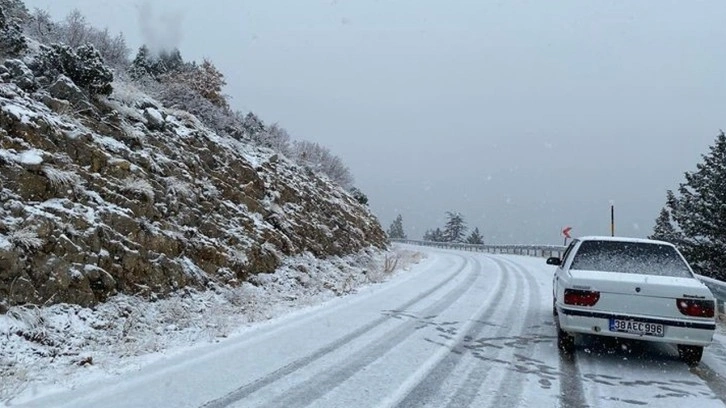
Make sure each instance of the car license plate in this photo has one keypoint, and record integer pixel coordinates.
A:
(635, 327)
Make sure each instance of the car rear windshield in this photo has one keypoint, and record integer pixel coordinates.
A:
(630, 257)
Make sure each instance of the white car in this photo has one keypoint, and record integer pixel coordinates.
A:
(634, 289)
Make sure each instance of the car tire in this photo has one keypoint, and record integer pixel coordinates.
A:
(554, 307)
(565, 341)
(691, 355)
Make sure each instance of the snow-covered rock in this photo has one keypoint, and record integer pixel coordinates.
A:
(19, 74)
(154, 119)
(92, 208)
(64, 88)
(31, 159)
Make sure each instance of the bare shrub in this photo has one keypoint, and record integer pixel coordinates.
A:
(60, 178)
(26, 238)
(322, 161)
(15, 379)
(138, 187)
(178, 188)
(389, 263)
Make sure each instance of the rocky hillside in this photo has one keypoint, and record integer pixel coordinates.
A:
(117, 194)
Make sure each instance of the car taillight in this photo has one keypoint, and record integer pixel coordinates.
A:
(696, 307)
(581, 297)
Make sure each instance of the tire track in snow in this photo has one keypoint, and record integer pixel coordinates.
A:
(510, 389)
(430, 386)
(712, 379)
(466, 394)
(313, 389)
(572, 394)
(250, 388)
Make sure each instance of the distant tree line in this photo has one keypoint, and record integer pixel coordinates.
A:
(694, 216)
(454, 231)
(93, 58)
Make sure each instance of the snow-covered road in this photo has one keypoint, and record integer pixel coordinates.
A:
(461, 329)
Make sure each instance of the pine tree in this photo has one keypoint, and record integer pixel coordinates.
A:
(455, 228)
(437, 235)
(699, 211)
(15, 10)
(168, 62)
(161, 66)
(395, 231)
(141, 65)
(359, 195)
(84, 67)
(252, 124)
(12, 41)
(475, 238)
(664, 229)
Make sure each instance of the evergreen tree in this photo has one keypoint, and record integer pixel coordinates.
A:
(700, 214)
(664, 229)
(395, 231)
(92, 74)
(427, 235)
(84, 67)
(455, 228)
(12, 41)
(475, 238)
(252, 124)
(160, 66)
(141, 65)
(167, 62)
(15, 11)
(437, 235)
(359, 195)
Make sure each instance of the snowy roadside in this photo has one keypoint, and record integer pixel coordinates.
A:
(62, 346)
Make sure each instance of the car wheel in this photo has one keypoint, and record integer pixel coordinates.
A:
(690, 354)
(565, 341)
(554, 307)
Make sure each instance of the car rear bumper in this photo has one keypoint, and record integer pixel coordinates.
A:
(688, 332)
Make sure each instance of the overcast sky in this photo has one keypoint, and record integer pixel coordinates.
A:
(525, 116)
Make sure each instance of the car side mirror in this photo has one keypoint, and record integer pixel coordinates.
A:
(554, 261)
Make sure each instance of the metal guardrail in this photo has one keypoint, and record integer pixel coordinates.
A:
(718, 288)
(544, 251)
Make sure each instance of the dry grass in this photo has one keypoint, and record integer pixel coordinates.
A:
(60, 178)
(26, 238)
(138, 187)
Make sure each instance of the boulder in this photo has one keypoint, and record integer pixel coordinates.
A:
(64, 88)
(154, 119)
(56, 105)
(21, 75)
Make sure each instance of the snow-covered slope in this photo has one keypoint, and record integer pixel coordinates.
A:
(129, 197)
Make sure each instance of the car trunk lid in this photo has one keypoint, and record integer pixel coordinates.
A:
(646, 295)
(640, 285)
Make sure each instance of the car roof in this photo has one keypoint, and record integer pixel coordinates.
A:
(624, 239)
